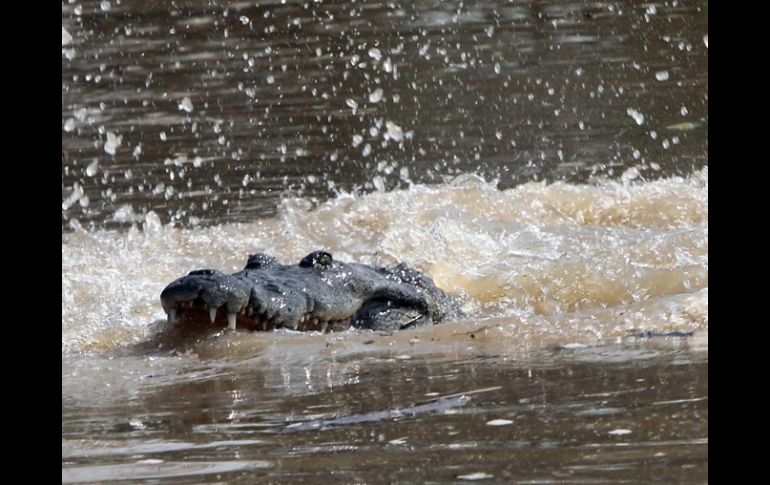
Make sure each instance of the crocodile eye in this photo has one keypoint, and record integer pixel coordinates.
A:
(318, 259)
(259, 260)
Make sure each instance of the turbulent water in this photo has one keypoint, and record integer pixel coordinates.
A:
(540, 261)
(544, 161)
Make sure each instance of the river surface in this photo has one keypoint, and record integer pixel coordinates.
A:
(546, 163)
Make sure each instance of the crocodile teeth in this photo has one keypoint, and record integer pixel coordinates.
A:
(172, 315)
(213, 313)
(231, 321)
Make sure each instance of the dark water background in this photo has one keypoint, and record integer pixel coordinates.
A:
(515, 90)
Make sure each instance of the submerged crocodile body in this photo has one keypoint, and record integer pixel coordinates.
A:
(318, 294)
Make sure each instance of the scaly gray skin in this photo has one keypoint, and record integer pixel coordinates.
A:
(318, 294)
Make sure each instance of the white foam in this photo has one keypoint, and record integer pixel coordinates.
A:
(572, 262)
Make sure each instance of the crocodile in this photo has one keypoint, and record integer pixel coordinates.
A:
(318, 294)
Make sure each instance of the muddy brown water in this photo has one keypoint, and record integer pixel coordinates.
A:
(544, 162)
(633, 413)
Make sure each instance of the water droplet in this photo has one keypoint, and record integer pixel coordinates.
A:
(105, 6)
(69, 125)
(357, 139)
(684, 111)
(393, 132)
(375, 54)
(499, 422)
(661, 75)
(367, 150)
(112, 143)
(706, 40)
(636, 115)
(375, 96)
(351, 103)
(186, 105)
(92, 168)
(403, 173)
(66, 38)
(629, 175)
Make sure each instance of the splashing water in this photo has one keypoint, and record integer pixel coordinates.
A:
(559, 262)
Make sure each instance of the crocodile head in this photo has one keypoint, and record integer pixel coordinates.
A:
(317, 294)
